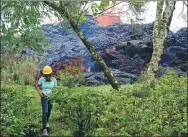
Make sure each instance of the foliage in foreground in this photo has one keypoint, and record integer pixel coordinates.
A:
(159, 110)
(135, 111)
(14, 110)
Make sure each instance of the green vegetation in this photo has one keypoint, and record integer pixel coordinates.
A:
(159, 110)
(70, 76)
(24, 30)
(14, 109)
(15, 70)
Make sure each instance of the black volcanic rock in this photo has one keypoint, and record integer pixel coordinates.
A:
(98, 78)
(123, 50)
(181, 38)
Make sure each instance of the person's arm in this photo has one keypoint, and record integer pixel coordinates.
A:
(38, 88)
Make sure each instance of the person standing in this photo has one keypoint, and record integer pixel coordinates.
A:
(45, 87)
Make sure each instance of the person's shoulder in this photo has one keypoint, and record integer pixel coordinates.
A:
(53, 78)
(41, 78)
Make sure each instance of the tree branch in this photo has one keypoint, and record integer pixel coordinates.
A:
(182, 9)
(115, 14)
(184, 2)
(56, 7)
(109, 8)
(81, 13)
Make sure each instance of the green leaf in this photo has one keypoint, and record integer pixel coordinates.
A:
(26, 21)
(65, 27)
(104, 4)
(4, 28)
(82, 18)
(94, 8)
(22, 133)
(113, 2)
(167, 132)
(136, 2)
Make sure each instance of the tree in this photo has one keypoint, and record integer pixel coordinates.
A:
(184, 15)
(62, 8)
(20, 25)
(160, 33)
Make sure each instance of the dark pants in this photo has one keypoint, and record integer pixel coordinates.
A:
(46, 110)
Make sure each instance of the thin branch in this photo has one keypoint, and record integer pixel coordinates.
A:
(133, 9)
(81, 13)
(114, 14)
(61, 3)
(184, 2)
(182, 8)
(109, 8)
(57, 8)
(89, 6)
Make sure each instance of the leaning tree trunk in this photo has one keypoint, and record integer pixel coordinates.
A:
(160, 33)
(89, 46)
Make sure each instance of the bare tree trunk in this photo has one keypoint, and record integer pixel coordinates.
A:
(89, 46)
(160, 33)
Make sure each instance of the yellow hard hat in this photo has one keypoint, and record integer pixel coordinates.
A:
(47, 70)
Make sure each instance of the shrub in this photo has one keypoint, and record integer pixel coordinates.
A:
(14, 104)
(80, 108)
(70, 76)
(161, 111)
(16, 70)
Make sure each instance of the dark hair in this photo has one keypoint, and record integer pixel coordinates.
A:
(47, 77)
